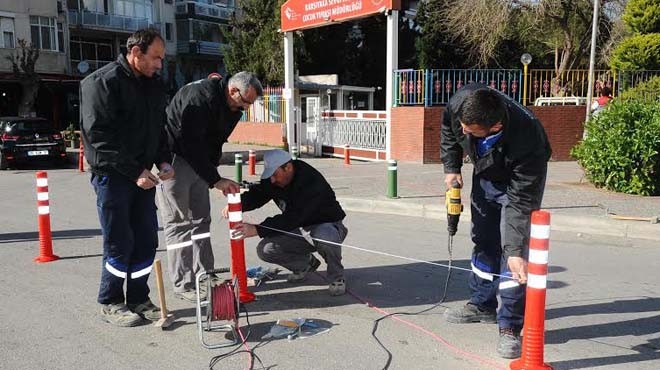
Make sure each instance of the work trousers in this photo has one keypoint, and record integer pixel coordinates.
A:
(488, 205)
(293, 253)
(129, 224)
(186, 213)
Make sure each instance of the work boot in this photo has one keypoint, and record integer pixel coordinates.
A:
(119, 315)
(509, 343)
(147, 310)
(337, 287)
(470, 313)
(300, 276)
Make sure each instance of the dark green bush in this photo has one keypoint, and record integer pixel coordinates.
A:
(645, 91)
(622, 149)
(637, 52)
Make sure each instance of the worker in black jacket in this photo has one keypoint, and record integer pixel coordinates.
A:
(509, 150)
(200, 118)
(122, 109)
(309, 209)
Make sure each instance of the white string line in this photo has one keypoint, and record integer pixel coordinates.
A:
(449, 267)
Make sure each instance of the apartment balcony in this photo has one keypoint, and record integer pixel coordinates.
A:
(107, 21)
(192, 9)
(195, 47)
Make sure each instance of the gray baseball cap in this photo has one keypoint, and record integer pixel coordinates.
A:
(273, 159)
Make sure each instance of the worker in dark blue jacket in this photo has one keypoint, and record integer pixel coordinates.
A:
(122, 108)
(509, 150)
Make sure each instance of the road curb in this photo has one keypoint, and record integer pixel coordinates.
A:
(578, 224)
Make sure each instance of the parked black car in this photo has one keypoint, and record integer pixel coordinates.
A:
(24, 139)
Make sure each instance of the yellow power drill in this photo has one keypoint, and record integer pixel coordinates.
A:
(454, 207)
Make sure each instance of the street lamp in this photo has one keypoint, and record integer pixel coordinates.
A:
(525, 59)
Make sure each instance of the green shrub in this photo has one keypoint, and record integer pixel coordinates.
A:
(643, 16)
(622, 149)
(645, 91)
(637, 52)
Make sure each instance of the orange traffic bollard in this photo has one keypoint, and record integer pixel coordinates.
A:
(252, 159)
(238, 269)
(81, 157)
(533, 338)
(45, 237)
(347, 155)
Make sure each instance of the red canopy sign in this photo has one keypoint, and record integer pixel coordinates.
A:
(301, 14)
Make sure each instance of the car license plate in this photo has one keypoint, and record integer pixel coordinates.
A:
(37, 152)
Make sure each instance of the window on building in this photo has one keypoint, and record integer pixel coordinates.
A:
(168, 1)
(168, 31)
(73, 4)
(96, 52)
(7, 28)
(60, 36)
(44, 33)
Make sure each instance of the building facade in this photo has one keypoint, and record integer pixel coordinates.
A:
(76, 37)
(41, 23)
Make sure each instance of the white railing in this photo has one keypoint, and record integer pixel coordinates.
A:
(358, 129)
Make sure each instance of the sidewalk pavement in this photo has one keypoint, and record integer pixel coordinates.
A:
(575, 205)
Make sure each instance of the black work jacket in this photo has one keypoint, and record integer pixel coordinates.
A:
(518, 159)
(307, 200)
(199, 122)
(122, 118)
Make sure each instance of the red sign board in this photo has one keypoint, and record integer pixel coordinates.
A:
(301, 14)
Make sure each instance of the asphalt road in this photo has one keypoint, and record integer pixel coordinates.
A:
(603, 303)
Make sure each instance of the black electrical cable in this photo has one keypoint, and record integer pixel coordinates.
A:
(450, 243)
(214, 360)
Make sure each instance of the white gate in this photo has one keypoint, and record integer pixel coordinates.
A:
(309, 127)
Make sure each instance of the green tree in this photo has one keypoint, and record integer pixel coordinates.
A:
(637, 52)
(23, 64)
(642, 49)
(254, 43)
(643, 16)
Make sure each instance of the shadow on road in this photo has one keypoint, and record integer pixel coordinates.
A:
(30, 236)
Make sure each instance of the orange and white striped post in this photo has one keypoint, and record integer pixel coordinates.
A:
(238, 269)
(81, 157)
(537, 273)
(45, 237)
(347, 154)
(252, 161)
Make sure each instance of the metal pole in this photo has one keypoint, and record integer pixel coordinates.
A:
(391, 178)
(592, 60)
(238, 162)
(391, 64)
(524, 99)
(289, 88)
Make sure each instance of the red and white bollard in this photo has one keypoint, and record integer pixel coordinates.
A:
(347, 155)
(537, 273)
(238, 269)
(81, 157)
(252, 161)
(45, 237)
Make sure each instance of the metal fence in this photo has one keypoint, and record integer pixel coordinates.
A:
(436, 86)
(544, 83)
(112, 21)
(358, 133)
(269, 108)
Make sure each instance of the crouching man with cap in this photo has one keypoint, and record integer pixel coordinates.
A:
(309, 209)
